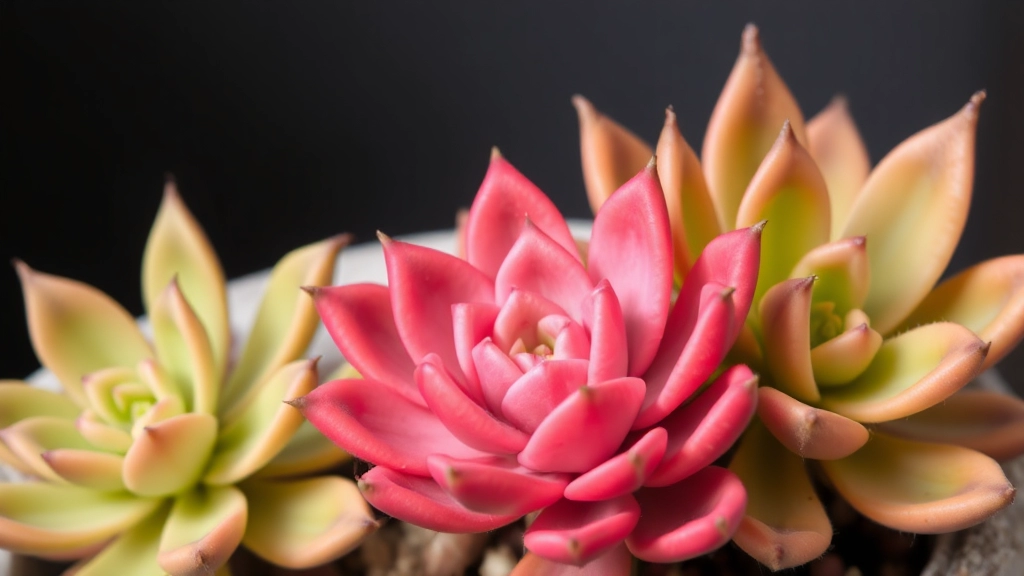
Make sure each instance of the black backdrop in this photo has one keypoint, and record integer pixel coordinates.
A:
(287, 122)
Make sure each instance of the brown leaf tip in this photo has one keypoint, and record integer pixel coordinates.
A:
(759, 227)
(970, 110)
(23, 270)
(339, 241)
(652, 164)
(670, 116)
(313, 291)
(384, 238)
(297, 403)
(495, 154)
(751, 43)
(584, 108)
(726, 292)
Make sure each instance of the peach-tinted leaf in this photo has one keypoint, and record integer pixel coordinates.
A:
(918, 487)
(262, 426)
(988, 298)
(63, 317)
(101, 434)
(844, 276)
(30, 438)
(910, 372)
(18, 401)
(204, 528)
(88, 468)
(51, 519)
(178, 248)
(184, 349)
(170, 455)
(287, 318)
(785, 524)
(989, 422)
(611, 154)
(836, 146)
(808, 431)
(912, 210)
(754, 104)
(785, 320)
(304, 523)
(838, 361)
(690, 209)
(307, 451)
(789, 192)
(134, 552)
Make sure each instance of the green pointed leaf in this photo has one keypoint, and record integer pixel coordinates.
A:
(204, 528)
(30, 438)
(836, 146)
(99, 471)
(184, 350)
(170, 455)
(102, 435)
(18, 401)
(841, 267)
(134, 552)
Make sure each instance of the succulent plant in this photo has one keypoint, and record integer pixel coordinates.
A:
(530, 377)
(162, 455)
(860, 358)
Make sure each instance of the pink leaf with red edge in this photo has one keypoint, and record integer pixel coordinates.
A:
(602, 316)
(631, 247)
(359, 319)
(422, 502)
(471, 324)
(502, 205)
(623, 473)
(689, 518)
(539, 264)
(578, 532)
(374, 423)
(497, 373)
(519, 316)
(531, 398)
(671, 381)
(615, 562)
(586, 428)
(424, 284)
(496, 485)
(461, 415)
(704, 429)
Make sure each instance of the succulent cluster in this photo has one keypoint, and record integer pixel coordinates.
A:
(162, 455)
(860, 356)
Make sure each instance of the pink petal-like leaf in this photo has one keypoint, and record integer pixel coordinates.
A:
(422, 502)
(701, 431)
(602, 316)
(518, 318)
(472, 323)
(570, 338)
(496, 485)
(623, 473)
(497, 373)
(376, 424)
(631, 247)
(689, 518)
(615, 562)
(461, 415)
(539, 264)
(424, 284)
(586, 428)
(577, 532)
(505, 201)
(672, 381)
(539, 391)
(359, 319)
(808, 431)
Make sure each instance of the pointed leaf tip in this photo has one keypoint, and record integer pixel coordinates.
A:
(751, 40)
(495, 153)
(384, 238)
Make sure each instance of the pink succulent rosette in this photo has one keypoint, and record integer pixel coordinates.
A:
(527, 378)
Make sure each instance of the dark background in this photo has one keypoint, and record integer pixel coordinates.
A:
(288, 122)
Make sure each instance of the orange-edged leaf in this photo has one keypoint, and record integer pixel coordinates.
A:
(18, 401)
(751, 110)
(835, 144)
(919, 487)
(912, 210)
(785, 313)
(844, 276)
(808, 431)
(203, 529)
(840, 360)
(32, 437)
(611, 154)
(185, 350)
(169, 456)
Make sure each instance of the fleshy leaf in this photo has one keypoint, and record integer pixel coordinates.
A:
(518, 317)
(422, 502)
(610, 153)
(63, 316)
(843, 273)
(700, 431)
(496, 485)
(503, 204)
(623, 473)
(631, 247)
(615, 562)
(304, 523)
(18, 401)
(602, 317)
(30, 438)
(204, 528)
(785, 320)
(471, 324)
(845, 357)
(134, 552)
(58, 520)
(375, 424)
(286, 319)
(170, 455)
(988, 298)
(918, 487)
(785, 524)
(178, 248)
(913, 209)
(497, 373)
(808, 431)
(262, 427)
(789, 192)
(836, 146)
(586, 428)
(690, 209)
(910, 372)
(754, 104)
(578, 532)
(689, 518)
(96, 470)
(184, 349)
(307, 451)
(990, 422)
(101, 434)
(536, 393)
